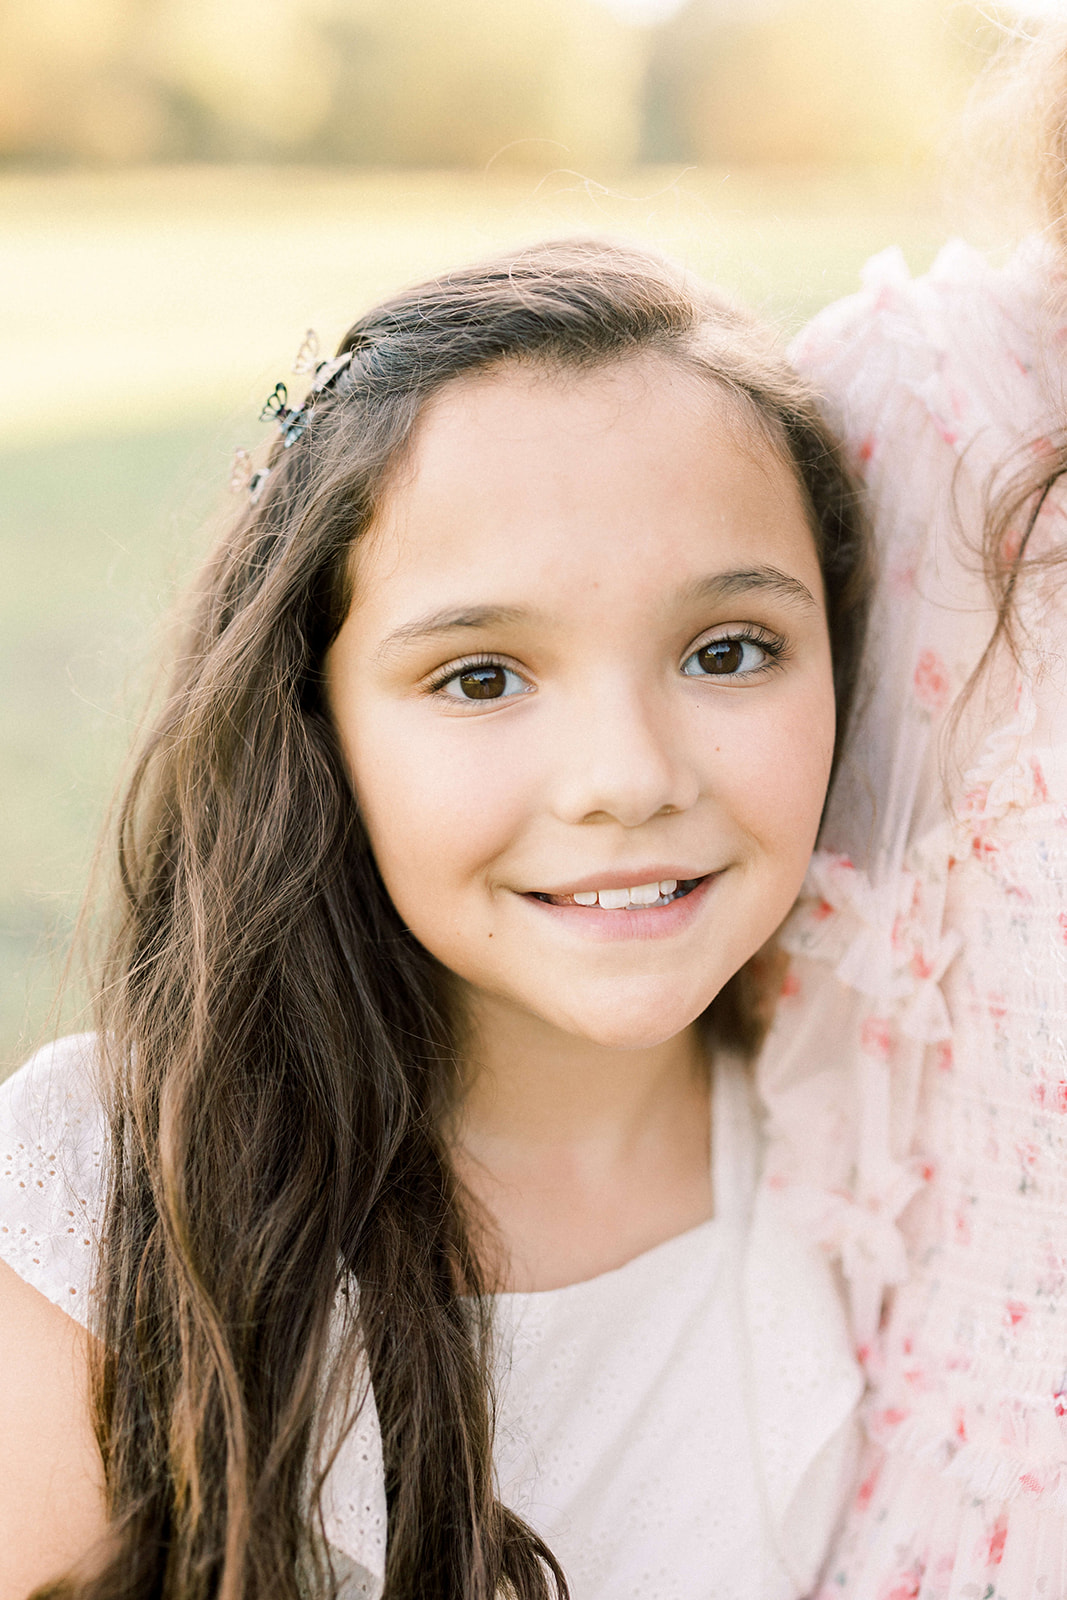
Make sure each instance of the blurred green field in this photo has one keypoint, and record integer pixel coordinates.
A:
(143, 318)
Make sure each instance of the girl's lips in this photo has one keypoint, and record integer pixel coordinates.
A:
(621, 879)
(656, 893)
(631, 922)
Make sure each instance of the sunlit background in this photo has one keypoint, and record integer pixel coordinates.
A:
(187, 185)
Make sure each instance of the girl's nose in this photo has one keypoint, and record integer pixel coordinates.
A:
(620, 761)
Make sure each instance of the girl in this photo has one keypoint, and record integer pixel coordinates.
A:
(933, 952)
(495, 750)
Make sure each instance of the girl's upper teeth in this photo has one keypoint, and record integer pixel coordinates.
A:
(643, 894)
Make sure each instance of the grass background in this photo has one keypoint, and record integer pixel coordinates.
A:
(143, 319)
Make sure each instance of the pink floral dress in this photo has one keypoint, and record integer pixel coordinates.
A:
(917, 1074)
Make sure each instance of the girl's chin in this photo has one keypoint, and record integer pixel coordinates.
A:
(622, 1027)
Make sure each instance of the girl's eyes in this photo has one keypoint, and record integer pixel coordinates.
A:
(735, 656)
(482, 680)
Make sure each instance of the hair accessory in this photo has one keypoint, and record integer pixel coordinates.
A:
(323, 372)
(307, 357)
(244, 476)
(292, 420)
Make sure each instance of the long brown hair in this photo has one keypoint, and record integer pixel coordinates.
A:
(275, 1053)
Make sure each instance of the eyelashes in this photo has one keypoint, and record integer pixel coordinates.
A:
(731, 655)
(480, 678)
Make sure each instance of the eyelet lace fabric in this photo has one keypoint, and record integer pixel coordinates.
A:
(916, 1076)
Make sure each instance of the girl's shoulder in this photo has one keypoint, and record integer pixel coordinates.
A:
(53, 1143)
(966, 350)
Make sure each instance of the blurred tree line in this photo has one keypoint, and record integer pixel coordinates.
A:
(461, 82)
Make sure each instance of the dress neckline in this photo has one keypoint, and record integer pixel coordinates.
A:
(677, 1244)
(733, 1143)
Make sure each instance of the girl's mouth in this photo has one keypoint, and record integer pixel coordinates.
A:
(642, 897)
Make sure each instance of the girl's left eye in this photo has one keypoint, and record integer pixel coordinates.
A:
(732, 657)
(482, 680)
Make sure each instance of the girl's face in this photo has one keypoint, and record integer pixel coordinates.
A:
(584, 693)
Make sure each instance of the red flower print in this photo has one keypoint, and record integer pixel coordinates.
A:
(1015, 1312)
(902, 574)
(984, 849)
(790, 986)
(974, 801)
(931, 681)
(891, 1417)
(907, 1585)
(943, 1056)
(876, 1037)
(865, 1492)
(993, 1551)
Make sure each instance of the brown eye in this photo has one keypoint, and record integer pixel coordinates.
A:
(483, 683)
(488, 680)
(721, 655)
(727, 658)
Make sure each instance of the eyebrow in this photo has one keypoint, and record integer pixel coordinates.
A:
(768, 580)
(719, 586)
(439, 622)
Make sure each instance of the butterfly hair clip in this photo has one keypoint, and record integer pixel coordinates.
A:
(292, 420)
(246, 477)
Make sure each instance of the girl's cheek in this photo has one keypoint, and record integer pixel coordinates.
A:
(438, 805)
(778, 773)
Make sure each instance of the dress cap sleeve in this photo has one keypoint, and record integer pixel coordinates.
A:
(53, 1140)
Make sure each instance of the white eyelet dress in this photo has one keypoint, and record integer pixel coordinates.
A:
(678, 1429)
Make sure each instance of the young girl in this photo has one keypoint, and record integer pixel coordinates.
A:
(406, 1186)
(934, 950)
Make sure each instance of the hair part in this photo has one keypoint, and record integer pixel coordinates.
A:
(276, 1051)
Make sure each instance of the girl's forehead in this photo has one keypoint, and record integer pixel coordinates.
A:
(530, 400)
(621, 476)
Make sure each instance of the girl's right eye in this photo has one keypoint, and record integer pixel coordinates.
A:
(482, 680)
